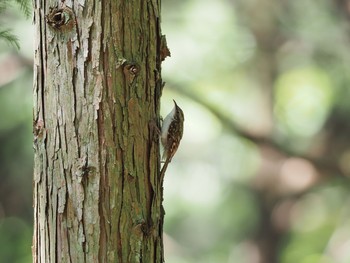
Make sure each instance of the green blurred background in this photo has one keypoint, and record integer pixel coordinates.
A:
(262, 174)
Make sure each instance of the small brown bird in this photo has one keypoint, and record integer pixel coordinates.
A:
(172, 131)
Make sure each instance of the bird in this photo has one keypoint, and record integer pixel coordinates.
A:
(172, 132)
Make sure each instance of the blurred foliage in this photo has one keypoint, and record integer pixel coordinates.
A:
(16, 235)
(262, 173)
(264, 163)
(6, 34)
(16, 154)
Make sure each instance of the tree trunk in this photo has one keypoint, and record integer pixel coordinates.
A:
(97, 85)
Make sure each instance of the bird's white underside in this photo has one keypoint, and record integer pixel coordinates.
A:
(166, 124)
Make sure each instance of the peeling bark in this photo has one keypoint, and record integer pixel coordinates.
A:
(97, 85)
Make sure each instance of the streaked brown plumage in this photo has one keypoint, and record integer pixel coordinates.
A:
(172, 131)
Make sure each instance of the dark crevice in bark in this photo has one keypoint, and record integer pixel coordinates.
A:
(119, 234)
(103, 172)
(75, 120)
(42, 71)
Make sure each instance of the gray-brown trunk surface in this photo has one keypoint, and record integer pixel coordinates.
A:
(97, 85)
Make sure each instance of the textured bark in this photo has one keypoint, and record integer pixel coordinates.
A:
(97, 85)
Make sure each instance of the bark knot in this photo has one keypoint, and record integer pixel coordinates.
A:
(62, 19)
